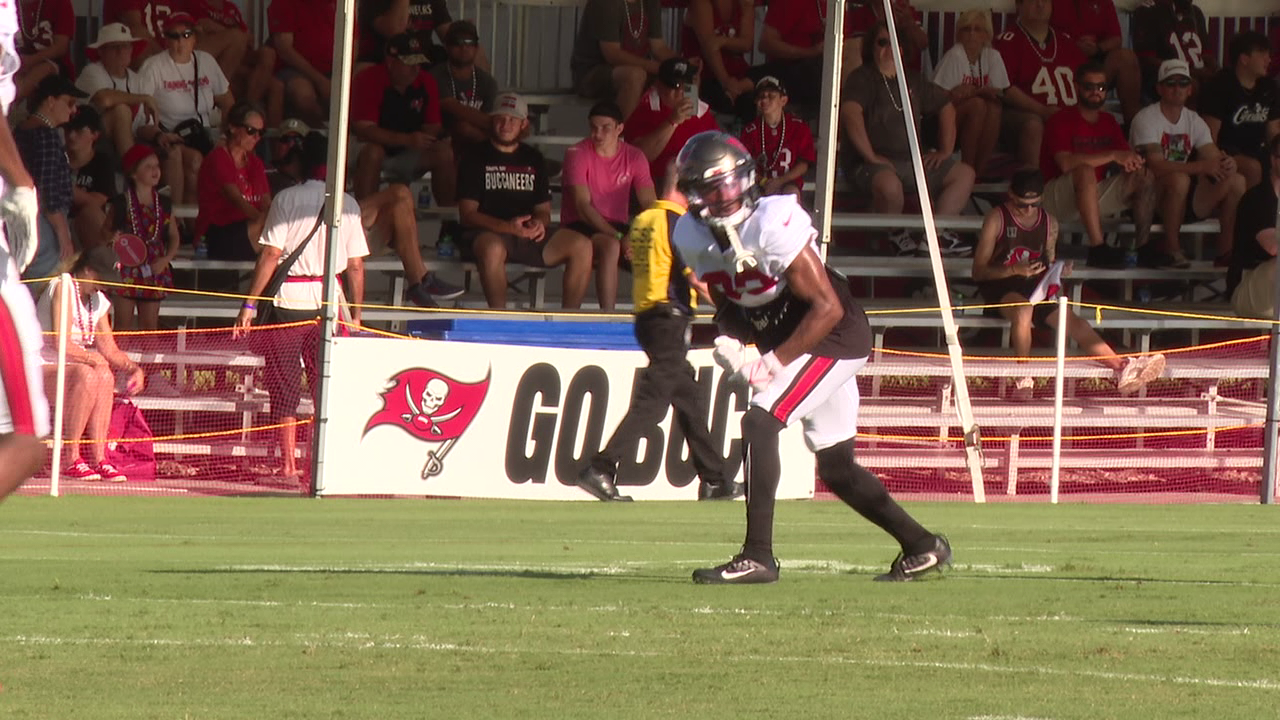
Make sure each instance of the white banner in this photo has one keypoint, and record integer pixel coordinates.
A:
(456, 419)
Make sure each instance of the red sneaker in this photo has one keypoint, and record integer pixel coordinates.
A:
(80, 470)
(111, 473)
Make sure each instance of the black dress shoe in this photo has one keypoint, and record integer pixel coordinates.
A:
(727, 490)
(600, 484)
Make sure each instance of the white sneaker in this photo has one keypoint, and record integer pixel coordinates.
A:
(903, 242)
(1138, 371)
(952, 245)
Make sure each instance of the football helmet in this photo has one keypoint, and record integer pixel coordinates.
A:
(717, 175)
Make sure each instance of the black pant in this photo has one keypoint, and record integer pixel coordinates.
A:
(668, 381)
(281, 349)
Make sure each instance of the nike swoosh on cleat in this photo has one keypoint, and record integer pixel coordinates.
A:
(933, 560)
(734, 574)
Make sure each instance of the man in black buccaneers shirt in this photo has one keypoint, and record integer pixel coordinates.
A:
(504, 206)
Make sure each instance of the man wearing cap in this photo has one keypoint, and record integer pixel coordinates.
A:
(47, 29)
(1080, 143)
(1014, 261)
(601, 175)
(39, 141)
(384, 19)
(617, 49)
(114, 88)
(1196, 180)
(780, 142)
(302, 33)
(467, 91)
(396, 117)
(504, 207)
(93, 177)
(286, 156)
(145, 20)
(667, 117)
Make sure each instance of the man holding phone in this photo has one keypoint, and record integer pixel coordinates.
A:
(668, 115)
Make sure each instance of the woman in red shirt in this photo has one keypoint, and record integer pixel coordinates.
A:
(232, 189)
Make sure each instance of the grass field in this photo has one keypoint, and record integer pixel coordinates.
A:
(279, 608)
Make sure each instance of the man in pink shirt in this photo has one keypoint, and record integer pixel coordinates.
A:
(601, 173)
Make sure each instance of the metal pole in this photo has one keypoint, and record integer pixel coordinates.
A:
(828, 118)
(1268, 490)
(972, 433)
(1059, 383)
(65, 285)
(340, 90)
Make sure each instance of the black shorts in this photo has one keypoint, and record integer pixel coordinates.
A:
(993, 292)
(519, 250)
(229, 242)
(582, 227)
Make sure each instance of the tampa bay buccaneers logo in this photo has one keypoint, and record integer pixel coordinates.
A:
(432, 407)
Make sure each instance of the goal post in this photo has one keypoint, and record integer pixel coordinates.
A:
(833, 48)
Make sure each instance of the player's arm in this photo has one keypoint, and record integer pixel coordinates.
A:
(587, 210)
(355, 283)
(808, 281)
(470, 216)
(855, 127)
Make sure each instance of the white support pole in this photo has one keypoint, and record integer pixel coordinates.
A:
(828, 123)
(964, 409)
(1059, 385)
(65, 287)
(339, 105)
(1267, 493)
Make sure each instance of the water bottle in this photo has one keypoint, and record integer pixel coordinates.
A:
(202, 251)
(445, 248)
(1130, 254)
(424, 197)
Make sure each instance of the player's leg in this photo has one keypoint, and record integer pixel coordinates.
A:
(1172, 190)
(24, 412)
(148, 314)
(1250, 168)
(794, 391)
(573, 250)
(605, 250)
(1122, 68)
(828, 431)
(971, 121)
(1019, 317)
(490, 252)
(125, 308)
(1079, 330)
(989, 137)
(707, 455)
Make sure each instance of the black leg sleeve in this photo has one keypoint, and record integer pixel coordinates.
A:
(863, 491)
(763, 470)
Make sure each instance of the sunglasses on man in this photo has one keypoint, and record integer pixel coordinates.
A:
(465, 42)
(252, 131)
(1180, 82)
(180, 35)
(1093, 87)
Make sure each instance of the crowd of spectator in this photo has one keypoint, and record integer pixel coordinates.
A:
(179, 106)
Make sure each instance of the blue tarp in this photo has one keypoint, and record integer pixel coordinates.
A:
(597, 335)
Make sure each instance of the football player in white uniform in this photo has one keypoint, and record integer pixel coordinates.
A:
(24, 411)
(758, 256)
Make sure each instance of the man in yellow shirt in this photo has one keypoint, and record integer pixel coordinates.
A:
(665, 293)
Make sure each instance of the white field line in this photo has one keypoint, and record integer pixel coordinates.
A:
(359, 641)
(1186, 631)
(943, 633)
(1005, 717)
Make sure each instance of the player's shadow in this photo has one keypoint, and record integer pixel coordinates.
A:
(512, 573)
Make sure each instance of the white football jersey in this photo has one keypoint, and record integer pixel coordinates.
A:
(775, 234)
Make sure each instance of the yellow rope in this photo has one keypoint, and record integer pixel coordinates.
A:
(1118, 436)
(189, 436)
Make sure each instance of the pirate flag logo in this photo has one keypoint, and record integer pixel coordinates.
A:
(431, 407)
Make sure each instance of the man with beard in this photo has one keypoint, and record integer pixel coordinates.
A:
(1081, 143)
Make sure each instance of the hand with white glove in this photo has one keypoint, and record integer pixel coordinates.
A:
(728, 353)
(759, 372)
(20, 210)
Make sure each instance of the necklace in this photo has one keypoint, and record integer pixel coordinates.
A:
(454, 86)
(764, 146)
(1035, 46)
(136, 217)
(43, 119)
(126, 82)
(975, 69)
(634, 30)
(822, 11)
(896, 105)
(35, 23)
(83, 325)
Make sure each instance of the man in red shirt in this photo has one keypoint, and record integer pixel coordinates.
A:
(395, 114)
(1080, 144)
(44, 45)
(779, 141)
(303, 35)
(1096, 29)
(1041, 62)
(666, 117)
